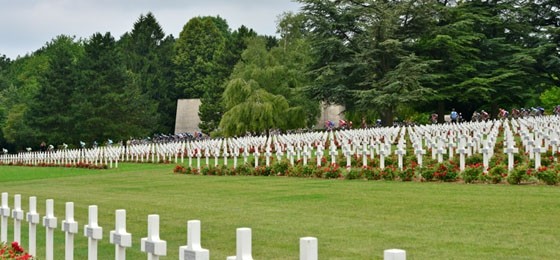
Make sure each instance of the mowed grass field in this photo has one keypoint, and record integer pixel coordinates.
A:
(351, 219)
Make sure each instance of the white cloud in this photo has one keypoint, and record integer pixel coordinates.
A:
(26, 25)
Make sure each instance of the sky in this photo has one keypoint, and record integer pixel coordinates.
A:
(27, 25)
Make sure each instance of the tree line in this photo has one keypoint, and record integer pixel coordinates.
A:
(386, 59)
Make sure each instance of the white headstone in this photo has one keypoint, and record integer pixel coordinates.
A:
(93, 232)
(193, 250)
(308, 248)
(70, 228)
(49, 222)
(153, 245)
(394, 254)
(32, 218)
(4, 214)
(119, 237)
(243, 244)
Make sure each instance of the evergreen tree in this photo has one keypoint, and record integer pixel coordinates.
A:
(148, 55)
(107, 103)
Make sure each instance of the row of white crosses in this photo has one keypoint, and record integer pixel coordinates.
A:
(152, 245)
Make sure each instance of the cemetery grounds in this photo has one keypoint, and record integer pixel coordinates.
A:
(352, 219)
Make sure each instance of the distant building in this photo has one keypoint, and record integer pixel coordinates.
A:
(187, 119)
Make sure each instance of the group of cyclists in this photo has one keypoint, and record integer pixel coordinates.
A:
(515, 113)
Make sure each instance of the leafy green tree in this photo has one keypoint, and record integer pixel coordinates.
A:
(200, 59)
(264, 80)
(255, 110)
(198, 51)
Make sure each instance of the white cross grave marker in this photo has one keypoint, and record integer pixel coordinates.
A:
(49, 222)
(4, 214)
(153, 245)
(119, 237)
(32, 218)
(193, 250)
(17, 215)
(243, 244)
(93, 232)
(394, 254)
(308, 248)
(70, 228)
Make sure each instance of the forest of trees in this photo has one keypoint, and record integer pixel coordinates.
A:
(382, 59)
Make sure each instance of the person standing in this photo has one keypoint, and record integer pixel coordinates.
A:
(454, 116)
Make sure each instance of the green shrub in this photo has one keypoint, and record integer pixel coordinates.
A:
(474, 159)
(388, 173)
(353, 174)
(472, 173)
(518, 174)
(446, 171)
(281, 167)
(406, 174)
(427, 172)
(547, 175)
(497, 173)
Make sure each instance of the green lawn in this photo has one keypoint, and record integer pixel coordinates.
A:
(351, 219)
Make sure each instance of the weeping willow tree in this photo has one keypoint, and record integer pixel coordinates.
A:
(252, 109)
(265, 90)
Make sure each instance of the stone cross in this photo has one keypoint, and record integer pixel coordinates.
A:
(267, 155)
(198, 156)
(485, 155)
(207, 156)
(243, 244)
(119, 237)
(279, 152)
(419, 152)
(308, 249)
(49, 222)
(333, 153)
(462, 150)
(400, 153)
(70, 228)
(298, 149)
(530, 144)
(510, 150)
(193, 250)
(382, 154)
(235, 155)
(225, 154)
(153, 245)
(290, 153)
(305, 154)
(451, 146)
(4, 214)
(319, 155)
(440, 151)
(394, 254)
(348, 153)
(364, 154)
(216, 155)
(245, 154)
(256, 154)
(93, 232)
(17, 215)
(537, 150)
(434, 147)
(32, 218)
(554, 142)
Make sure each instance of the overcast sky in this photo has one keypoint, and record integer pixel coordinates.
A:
(26, 25)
